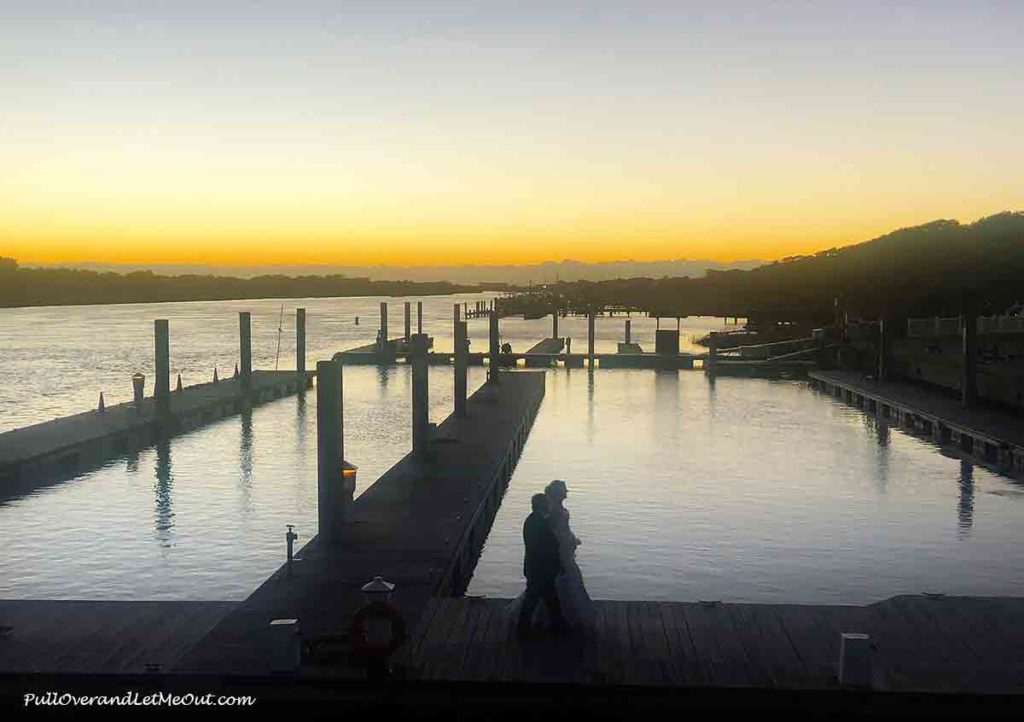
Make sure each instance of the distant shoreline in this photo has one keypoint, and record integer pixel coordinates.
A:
(40, 287)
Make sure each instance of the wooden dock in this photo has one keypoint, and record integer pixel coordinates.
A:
(922, 644)
(420, 526)
(992, 436)
(34, 456)
(100, 637)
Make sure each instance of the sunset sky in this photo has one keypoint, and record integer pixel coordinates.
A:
(498, 132)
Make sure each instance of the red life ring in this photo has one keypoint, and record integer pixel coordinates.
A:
(358, 627)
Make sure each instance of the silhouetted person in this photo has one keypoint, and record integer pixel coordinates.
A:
(541, 566)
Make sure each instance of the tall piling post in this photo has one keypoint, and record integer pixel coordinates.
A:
(333, 493)
(461, 364)
(300, 340)
(420, 394)
(384, 321)
(162, 390)
(245, 346)
(628, 336)
(969, 383)
(712, 364)
(590, 339)
(492, 372)
(408, 321)
(419, 317)
(554, 323)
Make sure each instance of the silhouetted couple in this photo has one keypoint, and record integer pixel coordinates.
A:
(552, 575)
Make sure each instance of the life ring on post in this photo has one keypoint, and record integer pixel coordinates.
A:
(358, 630)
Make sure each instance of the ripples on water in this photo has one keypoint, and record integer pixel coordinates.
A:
(746, 490)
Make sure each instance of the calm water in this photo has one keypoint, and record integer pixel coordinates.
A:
(745, 490)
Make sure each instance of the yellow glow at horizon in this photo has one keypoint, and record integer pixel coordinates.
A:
(147, 202)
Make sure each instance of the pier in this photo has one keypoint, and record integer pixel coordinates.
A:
(991, 436)
(921, 643)
(37, 455)
(41, 454)
(421, 526)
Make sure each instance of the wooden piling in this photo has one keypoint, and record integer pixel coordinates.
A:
(420, 394)
(408, 321)
(969, 383)
(330, 449)
(461, 363)
(300, 340)
(245, 344)
(163, 363)
(590, 339)
(492, 372)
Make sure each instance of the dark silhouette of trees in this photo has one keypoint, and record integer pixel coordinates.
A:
(58, 286)
(939, 268)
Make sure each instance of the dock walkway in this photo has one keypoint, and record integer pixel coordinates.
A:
(37, 455)
(101, 637)
(992, 435)
(923, 644)
(420, 526)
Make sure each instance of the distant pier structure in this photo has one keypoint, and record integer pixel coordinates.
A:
(37, 455)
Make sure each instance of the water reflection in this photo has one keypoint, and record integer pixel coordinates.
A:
(883, 437)
(245, 455)
(965, 509)
(590, 404)
(164, 501)
(667, 408)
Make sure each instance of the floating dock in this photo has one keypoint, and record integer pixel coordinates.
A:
(420, 526)
(34, 456)
(992, 436)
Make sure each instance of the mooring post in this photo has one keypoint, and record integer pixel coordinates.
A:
(590, 339)
(419, 317)
(163, 364)
(492, 372)
(554, 323)
(245, 345)
(969, 384)
(408, 320)
(712, 364)
(627, 331)
(300, 340)
(384, 322)
(461, 364)
(335, 478)
(456, 317)
(420, 394)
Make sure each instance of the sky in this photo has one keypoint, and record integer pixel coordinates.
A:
(422, 133)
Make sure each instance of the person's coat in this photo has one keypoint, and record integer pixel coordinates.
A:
(543, 562)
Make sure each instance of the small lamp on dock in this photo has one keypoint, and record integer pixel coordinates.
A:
(215, 379)
(102, 407)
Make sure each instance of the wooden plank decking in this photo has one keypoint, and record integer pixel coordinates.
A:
(99, 637)
(923, 644)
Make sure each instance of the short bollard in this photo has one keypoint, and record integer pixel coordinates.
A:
(139, 388)
(855, 651)
(377, 630)
(285, 645)
(290, 536)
